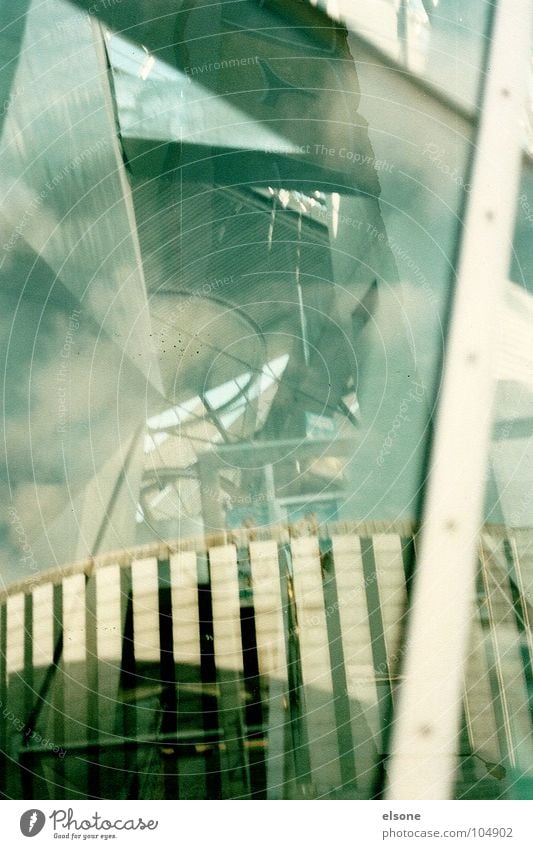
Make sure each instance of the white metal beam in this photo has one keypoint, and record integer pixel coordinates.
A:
(425, 733)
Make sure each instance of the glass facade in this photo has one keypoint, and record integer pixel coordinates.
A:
(230, 244)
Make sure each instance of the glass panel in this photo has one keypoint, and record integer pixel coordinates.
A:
(223, 331)
(496, 753)
(441, 41)
(522, 264)
(297, 299)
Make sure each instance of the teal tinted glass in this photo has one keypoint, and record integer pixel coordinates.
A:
(229, 244)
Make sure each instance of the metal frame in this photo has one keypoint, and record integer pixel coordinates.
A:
(426, 728)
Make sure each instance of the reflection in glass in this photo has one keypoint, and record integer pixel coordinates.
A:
(229, 249)
(441, 41)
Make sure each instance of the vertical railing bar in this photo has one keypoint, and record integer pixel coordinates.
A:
(168, 698)
(92, 679)
(254, 710)
(127, 713)
(494, 667)
(57, 693)
(379, 649)
(297, 724)
(348, 767)
(522, 618)
(4, 758)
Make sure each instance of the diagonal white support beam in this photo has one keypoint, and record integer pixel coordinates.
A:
(425, 733)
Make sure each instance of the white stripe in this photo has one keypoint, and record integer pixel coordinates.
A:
(316, 666)
(145, 592)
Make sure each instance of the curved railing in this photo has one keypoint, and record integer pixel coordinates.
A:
(270, 655)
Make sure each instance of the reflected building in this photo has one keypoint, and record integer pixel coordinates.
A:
(230, 239)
